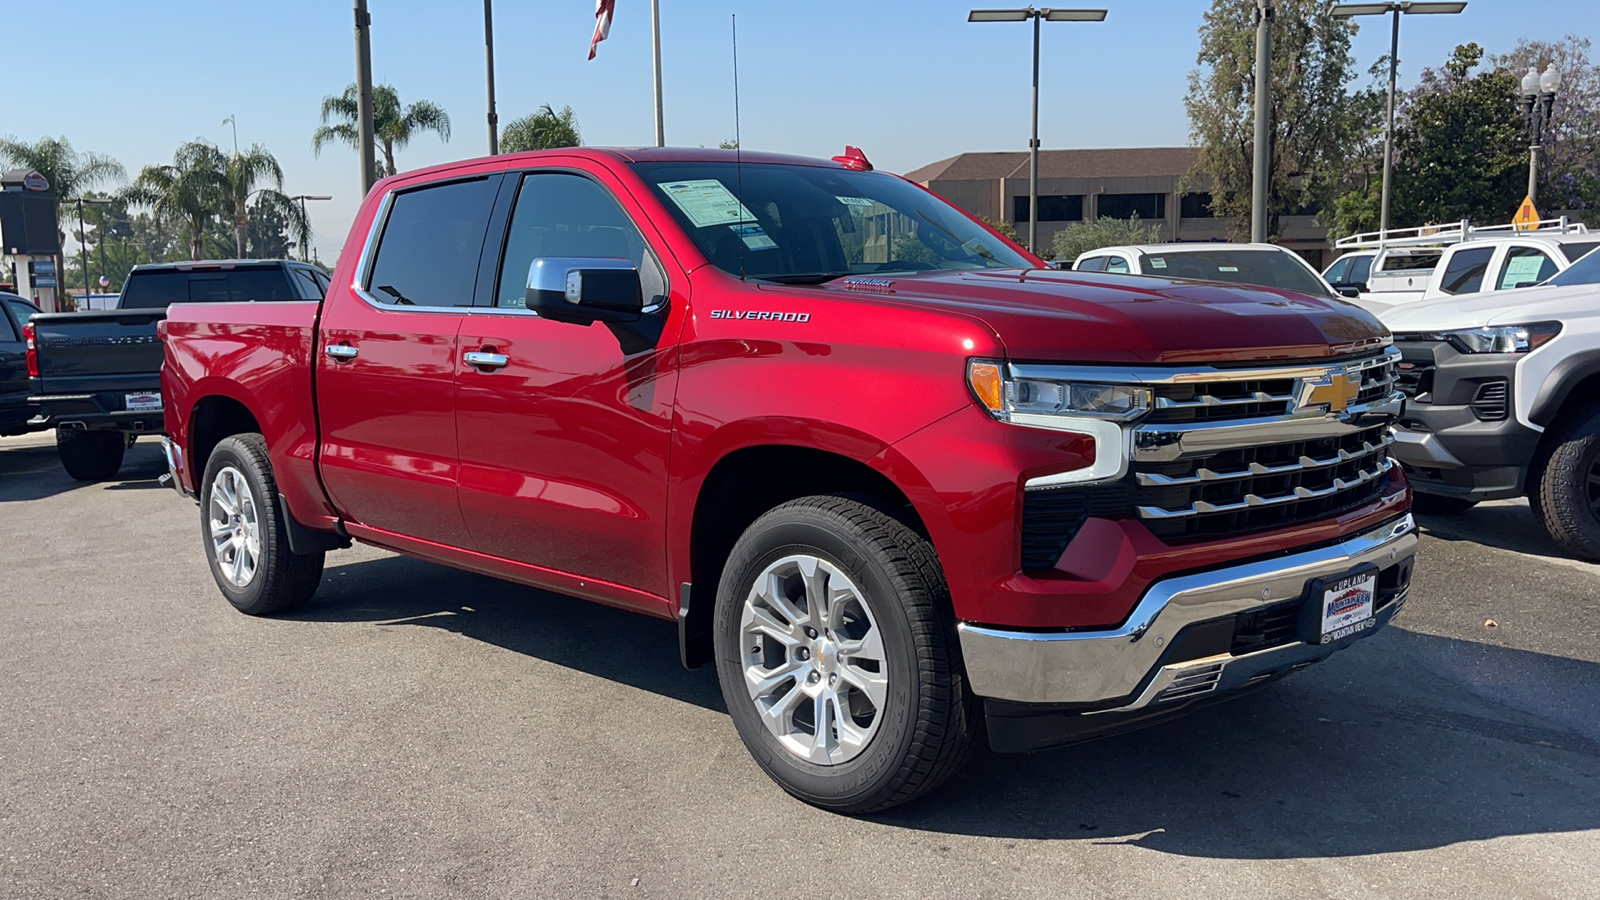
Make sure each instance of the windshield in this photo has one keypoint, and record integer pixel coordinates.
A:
(1269, 268)
(1585, 271)
(809, 224)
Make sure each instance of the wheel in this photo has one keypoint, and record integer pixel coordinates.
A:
(1566, 495)
(244, 532)
(90, 455)
(837, 655)
(1444, 506)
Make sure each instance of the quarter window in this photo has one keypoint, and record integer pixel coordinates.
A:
(1117, 265)
(1523, 266)
(433, 237)
(564, 215)
(1464, 273)
(1360, 270)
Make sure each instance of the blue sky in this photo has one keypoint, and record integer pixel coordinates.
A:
(909, 81)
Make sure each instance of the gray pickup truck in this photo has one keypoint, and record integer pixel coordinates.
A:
(96, 376)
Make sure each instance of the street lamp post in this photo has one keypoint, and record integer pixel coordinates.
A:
(1395, 8)
(367, 150)
(305, 252)
(1037, 16)
(83, 247)
(1538, 99)
(488, 55)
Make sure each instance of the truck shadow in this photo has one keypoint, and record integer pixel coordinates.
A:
(1505, 524)
(1379, 750)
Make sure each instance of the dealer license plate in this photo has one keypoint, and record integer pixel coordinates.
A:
(149, 401)
(1347, 606)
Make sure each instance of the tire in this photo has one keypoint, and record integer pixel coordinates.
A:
(90, 455)
(1566, 495)
(1437, 505)
(888, 600)
(244, 536)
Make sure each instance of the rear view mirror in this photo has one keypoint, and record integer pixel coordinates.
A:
(584, 290)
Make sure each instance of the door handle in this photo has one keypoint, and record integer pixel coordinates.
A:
(340, 352)
(480, 360)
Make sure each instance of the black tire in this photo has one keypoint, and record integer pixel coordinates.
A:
(281, 581)
(1565, 492)
(1436, 505)
(930, 719)
(90, 455)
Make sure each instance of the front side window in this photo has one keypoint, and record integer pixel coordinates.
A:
(1335, 273)
(1116, 265)
(1092, 264)
(1464, 273)
(8, 334)
(561, 215)
(809, 224)
(1360, 270)
(1524, 267)
(431, 242)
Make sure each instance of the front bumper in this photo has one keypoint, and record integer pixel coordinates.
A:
(1460, 436)
(1183, 640)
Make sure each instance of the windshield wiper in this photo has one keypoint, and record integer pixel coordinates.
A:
(804, 277)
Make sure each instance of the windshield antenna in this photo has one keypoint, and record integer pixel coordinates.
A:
(738, 154)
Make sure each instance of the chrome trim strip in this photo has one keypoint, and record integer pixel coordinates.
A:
(1211, 400)
(1100, 666)
(1253, 501)
(1111, 443)
(1149, 375)
(369, 249)
(1167, 442)
(1202, 474)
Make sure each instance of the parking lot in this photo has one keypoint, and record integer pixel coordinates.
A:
(423, 732)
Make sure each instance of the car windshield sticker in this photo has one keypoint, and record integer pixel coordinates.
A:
(856, 201)
(1227, 268)
(1520, 269)
(1157, 262)
(706, 202)
(754, 237)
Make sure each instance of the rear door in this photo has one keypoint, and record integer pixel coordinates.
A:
(564, 441)
(387, 362)
(1524, 266)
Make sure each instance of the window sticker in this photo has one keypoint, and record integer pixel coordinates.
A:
(1157, 262)
(753, 236)
(706, 202)
(856, 201)
(1520, 269)
(1227, 268)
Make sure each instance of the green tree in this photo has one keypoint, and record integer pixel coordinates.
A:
(70, 172)
(1458, 148)
(1312, 121)
(1002, 226)
(1081, 237)
(193, 191)
(545, 129)
(729, 144)
(246, 169)
(393, 125)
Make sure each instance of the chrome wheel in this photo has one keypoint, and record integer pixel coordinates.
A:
(813, 659)
(235, 526)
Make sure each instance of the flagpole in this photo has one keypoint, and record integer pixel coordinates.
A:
(655, 34)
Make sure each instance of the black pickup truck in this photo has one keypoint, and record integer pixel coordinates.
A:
(96, 376)
(15, 409)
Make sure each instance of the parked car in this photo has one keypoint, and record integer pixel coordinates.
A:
(890, 488)
(1268, 265)
(96, 376)
(1469, 260)
(1377, 270)
(15, 409)
(1504, 400)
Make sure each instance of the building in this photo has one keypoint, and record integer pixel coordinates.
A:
(1075, 185)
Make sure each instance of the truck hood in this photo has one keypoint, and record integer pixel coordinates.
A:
(1065, 316)
(1534, 304)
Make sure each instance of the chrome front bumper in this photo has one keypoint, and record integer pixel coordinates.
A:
(1126, 663)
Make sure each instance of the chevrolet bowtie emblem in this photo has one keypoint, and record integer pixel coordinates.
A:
(1334, 390)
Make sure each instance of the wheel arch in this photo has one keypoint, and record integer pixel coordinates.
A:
(214, 418)
(1573, 380)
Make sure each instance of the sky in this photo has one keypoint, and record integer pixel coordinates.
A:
(908, 81)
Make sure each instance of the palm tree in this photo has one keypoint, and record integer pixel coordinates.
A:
(193, 190)
(393, 125)
(544, 130)
(69, 172)
(243, 170)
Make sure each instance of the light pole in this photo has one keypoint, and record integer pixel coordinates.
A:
(305, 252)
(488, 56)
(1262, 172)
(83, 247)
(367, 150)
(1538, 99)
(1037, 16)
(1395, 9)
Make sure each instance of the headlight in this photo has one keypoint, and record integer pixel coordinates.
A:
(1100, 410)
(1493, 338)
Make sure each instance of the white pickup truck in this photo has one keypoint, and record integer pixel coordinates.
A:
(1492, 258)
(1503, 399)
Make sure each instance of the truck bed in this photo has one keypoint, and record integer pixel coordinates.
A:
(99, 365)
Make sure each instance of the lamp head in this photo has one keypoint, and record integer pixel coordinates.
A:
(1550, 80)
(1530, 82)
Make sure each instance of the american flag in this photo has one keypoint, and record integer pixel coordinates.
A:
(602, 23)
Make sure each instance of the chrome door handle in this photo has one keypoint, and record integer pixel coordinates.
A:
(340, 352)
(482, 360)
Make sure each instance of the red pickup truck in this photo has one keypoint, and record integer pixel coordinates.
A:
(895, 477)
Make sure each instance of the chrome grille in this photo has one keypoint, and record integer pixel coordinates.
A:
(1262, 393)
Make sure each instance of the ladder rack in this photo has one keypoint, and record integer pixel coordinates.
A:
(1454, 233)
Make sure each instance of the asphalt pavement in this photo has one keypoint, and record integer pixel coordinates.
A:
(423, 732)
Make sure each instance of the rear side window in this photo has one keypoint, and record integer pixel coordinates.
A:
(8, 332)
(1464, 273)
(1577, 249)
(160, 289)
(432, 239)
(1092, 264)
(1117, 265)
(1360, 270)
(1524, 266)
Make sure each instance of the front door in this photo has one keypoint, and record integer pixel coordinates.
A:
(564, 438)
(387, 364)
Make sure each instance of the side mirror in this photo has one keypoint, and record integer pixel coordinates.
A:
(1348, 290)
(1524, 284)
(584, 290)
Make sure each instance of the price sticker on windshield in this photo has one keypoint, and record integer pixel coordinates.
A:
(706, 202)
